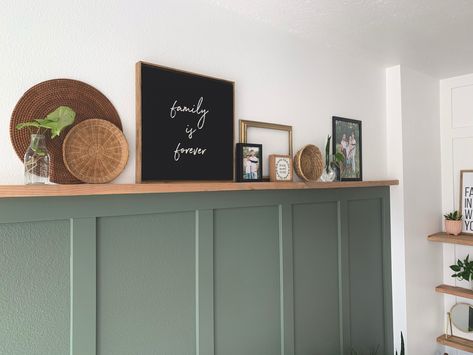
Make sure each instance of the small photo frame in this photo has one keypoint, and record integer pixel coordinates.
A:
(249, 165)
(280, 168)
(346, 140)
(466, 200)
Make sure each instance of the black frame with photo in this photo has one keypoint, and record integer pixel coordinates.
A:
(239, 162)
(335, 120)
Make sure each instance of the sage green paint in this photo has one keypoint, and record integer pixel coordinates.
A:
(146, 278)
(248, 272)
(316, 279)
(247, 285)
(34, 288)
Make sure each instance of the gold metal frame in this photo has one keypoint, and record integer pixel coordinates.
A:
(245, 124)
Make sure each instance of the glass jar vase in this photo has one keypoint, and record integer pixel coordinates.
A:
(331, 170)
(36, 161)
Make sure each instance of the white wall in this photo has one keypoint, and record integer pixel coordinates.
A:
(396, 168)
(279, 78)
(456, 113)
(414, 155)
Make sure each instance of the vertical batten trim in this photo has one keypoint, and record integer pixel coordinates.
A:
(286, 279)
(204, 282)
(197, 315)
(387, 272)
(83, 274)
(344, 276)
(281, 277)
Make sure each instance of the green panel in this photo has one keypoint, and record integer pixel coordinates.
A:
(34, 288)
(316, 282)
(365, 235)
(146, 284)
(247, 284)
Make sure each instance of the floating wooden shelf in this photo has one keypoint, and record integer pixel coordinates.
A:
(9, 191)
(464, 239)
(455, 291)
(456, 342)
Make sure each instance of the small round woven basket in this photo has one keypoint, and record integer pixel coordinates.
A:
(45, 97)
(95, 151)
(308, 163)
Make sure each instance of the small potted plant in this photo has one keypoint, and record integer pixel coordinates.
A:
(463, 270)
(453, 223)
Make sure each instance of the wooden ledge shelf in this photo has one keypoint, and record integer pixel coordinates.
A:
(463, 239)
(456, 342)
(11, 191)
(455, 291)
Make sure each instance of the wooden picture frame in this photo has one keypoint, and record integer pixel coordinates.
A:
(245, 125)
(466, 205)
(281, 168)
(352, 169)
(245, 165)
(204, 147)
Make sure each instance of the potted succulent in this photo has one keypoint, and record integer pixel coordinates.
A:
(463, 270)
(453, 223)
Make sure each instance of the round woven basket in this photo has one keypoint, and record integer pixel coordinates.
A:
(308, 163)
(95, 151)
(45, 97)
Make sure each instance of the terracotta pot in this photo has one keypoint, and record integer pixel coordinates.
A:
(453, 227)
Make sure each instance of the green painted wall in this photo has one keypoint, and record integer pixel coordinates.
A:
(254, 273)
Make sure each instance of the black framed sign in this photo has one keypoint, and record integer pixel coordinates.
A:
(184, 125)
(346, 140)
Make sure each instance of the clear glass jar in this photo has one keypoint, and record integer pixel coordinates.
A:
(331, 170)
(37, 161)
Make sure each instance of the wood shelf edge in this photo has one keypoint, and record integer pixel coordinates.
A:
(456, 342)
(12, 191)
(441, 237)
(455, 291)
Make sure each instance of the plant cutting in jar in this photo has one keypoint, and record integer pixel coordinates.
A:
(36, 158)
(331, 161)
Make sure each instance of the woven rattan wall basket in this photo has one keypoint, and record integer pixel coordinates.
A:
(95, 151)
(308, 163)
(45, 97)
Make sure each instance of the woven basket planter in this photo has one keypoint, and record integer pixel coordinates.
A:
(308, 163)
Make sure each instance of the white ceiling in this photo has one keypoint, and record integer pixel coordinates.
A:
(434, 36)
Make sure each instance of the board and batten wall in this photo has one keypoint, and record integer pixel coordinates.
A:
(456, 114)
(225, 273)
(279, 77)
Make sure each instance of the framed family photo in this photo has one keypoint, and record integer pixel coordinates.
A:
(346, 135)
(249, 165)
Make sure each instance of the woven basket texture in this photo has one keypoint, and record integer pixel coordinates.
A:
(308, 163)
(95, 151)
(45, 97)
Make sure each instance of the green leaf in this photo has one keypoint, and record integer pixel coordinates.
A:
(455, 268)
(339, 157)
(55, 121)
(59, 119)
